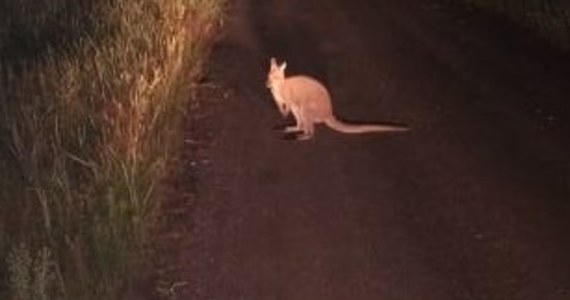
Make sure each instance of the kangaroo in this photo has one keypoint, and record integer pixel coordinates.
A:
(310, 103)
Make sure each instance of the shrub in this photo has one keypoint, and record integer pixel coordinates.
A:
(91, 99)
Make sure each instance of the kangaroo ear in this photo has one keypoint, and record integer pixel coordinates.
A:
(272, 61)
(283, 66)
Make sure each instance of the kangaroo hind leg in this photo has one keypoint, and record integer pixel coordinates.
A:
(308, 129)
(299, 118)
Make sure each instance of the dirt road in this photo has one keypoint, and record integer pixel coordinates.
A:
(471, 204)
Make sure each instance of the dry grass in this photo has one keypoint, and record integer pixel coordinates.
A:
(549, 19)
(91, 99)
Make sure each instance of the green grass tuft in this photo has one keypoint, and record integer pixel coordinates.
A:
(92, 95)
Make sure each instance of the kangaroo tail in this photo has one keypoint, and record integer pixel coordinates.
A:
(340, 126)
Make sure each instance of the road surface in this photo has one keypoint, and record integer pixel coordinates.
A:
(472, 203)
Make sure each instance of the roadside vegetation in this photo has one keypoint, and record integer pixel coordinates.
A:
(92, 95)
(549, 19)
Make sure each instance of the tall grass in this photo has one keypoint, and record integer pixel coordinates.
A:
(549, 19)
(92, 93)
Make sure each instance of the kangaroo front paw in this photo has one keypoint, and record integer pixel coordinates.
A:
(290, 129)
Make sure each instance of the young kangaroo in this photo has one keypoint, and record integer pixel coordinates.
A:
(310, 103)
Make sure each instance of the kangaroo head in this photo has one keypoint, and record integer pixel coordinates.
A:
(276, 73)
(275, 80)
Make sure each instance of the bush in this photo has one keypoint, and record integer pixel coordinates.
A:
(91, 99)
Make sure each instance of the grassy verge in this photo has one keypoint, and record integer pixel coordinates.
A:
(549, 19)
(92, 93)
